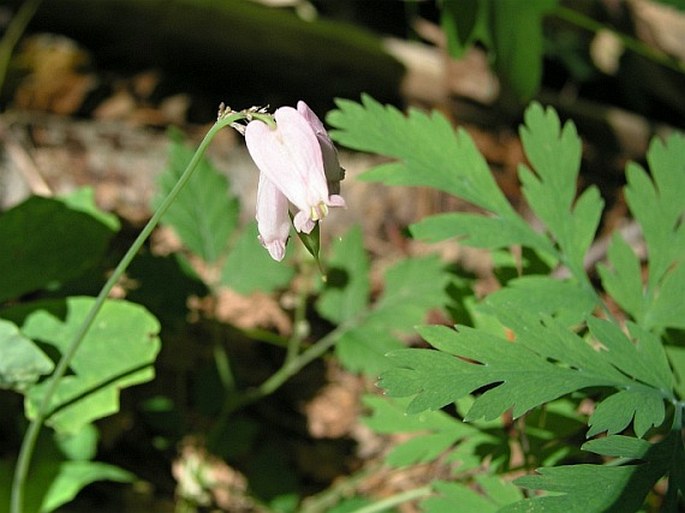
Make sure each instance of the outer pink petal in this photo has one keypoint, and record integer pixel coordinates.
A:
(331, 164)
(290, 157)
(273, 221)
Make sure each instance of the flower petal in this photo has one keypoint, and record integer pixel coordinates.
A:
(290, 157)
(273, 222)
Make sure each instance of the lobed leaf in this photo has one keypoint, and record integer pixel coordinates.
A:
(603, 488)
(656, 203)
(545, 362)
(22, 362)
(204, 214)
(554, 153)
(117, 352)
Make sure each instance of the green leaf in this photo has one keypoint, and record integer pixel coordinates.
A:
(545, 362)
(74, 476)
(427, 151)
(657, 205)
(49, 243)
(22, 362)
(412, 287)
(83, 200)
(566, 300)
(554, 153)
(249, 268)
(623, 279)
(461, 22)
(517, 42)
(118, 351)
(204, 214)
(346, 291)
(604, 489)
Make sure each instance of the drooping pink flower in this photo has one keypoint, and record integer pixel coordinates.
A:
(273, 222)
(331, 164)
(291, 158)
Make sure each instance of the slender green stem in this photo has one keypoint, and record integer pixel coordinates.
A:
(31, 436)
(14, 31)
(395, 500)
(631, 43)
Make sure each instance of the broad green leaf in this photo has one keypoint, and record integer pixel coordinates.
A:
(545, 362)
(604, 489)
(554, 153)
(118, 351)
(346, 291)
(79, 446)
(46, 243)
(22, 362)
(517, 42)
(249, 268)
(204, 214)
(83, 200)
(412, 288)
(676, 356)
(73, 476)
(459, 497)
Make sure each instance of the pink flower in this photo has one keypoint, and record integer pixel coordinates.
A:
(293, 158)
(273, 221)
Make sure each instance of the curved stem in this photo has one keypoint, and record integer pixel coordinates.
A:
(631, 43)
(395, 500)
(31, 436)
(14, 31)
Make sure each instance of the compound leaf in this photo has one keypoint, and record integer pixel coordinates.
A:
(601, 488)
(545, 362)
(656, 203)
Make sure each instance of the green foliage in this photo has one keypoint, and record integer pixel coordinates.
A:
(497, 493)
(117, 352)
(51, 241)
(249, 268)
(510, 29)
(549, 339)
(203, 215)
(22, 363)
(412, 287)
(657, 205)
(62, 468)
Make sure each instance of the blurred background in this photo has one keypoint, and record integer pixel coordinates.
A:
(90, 90)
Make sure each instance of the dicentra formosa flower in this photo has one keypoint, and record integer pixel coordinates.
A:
(298, 163)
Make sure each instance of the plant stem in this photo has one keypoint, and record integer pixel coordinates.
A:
(395, 500)
(31, 436)
(14, 31)
(631, 43)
